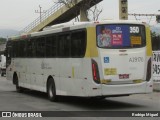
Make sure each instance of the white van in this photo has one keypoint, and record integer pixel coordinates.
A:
(2, 65)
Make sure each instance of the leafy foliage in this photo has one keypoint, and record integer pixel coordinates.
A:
(155, 41)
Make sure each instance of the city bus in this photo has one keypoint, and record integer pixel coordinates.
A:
(84, 59)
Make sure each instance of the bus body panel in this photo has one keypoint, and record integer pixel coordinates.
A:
(123, 66)
(148, 41)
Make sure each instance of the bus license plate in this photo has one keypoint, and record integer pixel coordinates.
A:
(123, 76)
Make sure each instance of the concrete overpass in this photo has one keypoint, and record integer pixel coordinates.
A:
(60, 13)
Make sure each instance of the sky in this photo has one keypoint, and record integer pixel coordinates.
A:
(17, 14)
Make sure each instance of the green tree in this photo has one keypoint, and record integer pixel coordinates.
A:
(153, 34)
(155, 41)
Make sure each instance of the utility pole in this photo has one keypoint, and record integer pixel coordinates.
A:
(123, 9)
(40, 12)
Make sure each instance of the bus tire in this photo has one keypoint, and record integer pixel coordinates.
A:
(51, 90)
(18, 88)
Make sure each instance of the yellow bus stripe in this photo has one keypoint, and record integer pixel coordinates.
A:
(148, 42)
(91, 49)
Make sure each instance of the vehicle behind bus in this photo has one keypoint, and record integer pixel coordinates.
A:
(2, 65)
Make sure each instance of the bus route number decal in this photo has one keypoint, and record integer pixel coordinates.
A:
(136, 59)
(134, 29)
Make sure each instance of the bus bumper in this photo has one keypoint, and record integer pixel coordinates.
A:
(145, 87)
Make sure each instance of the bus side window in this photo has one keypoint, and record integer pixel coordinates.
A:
(51, 46)
(15, 49)
(78, 44)
(64, 45)
(40, 47)
(22, 48)
(31, 48)
(9, 52)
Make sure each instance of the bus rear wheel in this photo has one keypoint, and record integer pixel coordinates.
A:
(51, 90)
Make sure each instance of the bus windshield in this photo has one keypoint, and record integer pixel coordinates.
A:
(116, 36)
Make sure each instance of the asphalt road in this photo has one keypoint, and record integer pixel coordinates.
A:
(10, 100)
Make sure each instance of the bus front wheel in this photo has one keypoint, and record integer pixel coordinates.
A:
(18, 88)
(51, 90)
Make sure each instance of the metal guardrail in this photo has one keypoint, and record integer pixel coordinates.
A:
(43, 17)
